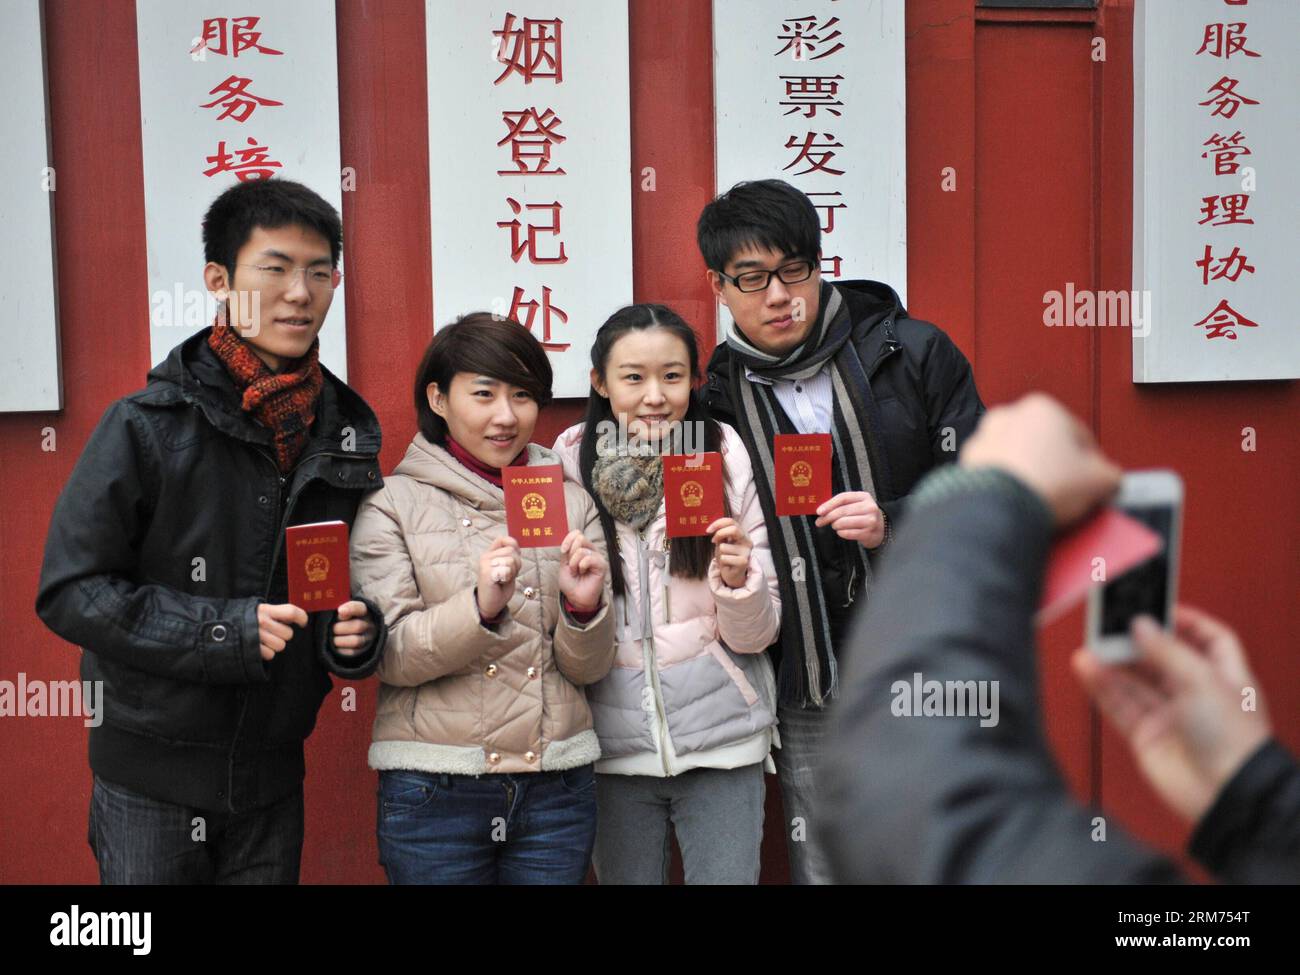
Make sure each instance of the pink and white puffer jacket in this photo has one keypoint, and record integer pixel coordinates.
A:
(691, 686)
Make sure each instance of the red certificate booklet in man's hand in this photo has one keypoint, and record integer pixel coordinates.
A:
(692, 492)
(802, 472)
(318, 565)
(535, 513)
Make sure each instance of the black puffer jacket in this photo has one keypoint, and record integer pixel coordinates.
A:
(167, 536)
(925, 406)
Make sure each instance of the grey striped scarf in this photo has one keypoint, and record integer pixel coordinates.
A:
(808, 676)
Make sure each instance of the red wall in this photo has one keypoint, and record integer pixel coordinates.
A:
(1040, 138)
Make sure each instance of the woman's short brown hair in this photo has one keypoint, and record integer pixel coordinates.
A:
(485, 345)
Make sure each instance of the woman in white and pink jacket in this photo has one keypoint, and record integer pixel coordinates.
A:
(686, 718)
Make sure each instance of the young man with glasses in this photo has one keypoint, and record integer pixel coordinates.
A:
(808, 356)
(166, 561)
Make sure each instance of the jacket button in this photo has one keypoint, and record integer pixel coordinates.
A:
(530, 757)
(370, 475)
(465, 522)
(342, 476)
(493, 758)
(532, 673)
(218, 633)
(263, 499)
(528, 592)
(491, 670)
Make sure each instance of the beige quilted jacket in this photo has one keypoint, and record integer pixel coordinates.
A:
(457, 696)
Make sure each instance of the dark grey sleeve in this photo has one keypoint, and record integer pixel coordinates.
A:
(1251, 835)
(930, 799)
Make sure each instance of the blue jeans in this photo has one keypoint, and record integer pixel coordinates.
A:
(139, 840)
(527, 828)
(803, 741)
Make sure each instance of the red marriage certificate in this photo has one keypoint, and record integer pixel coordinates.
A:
(317, 556)
(802, 463)
(535, 513)
(692, 492)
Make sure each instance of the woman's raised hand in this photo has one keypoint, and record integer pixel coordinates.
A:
(731, 548)
(497, 568)
(582, 572)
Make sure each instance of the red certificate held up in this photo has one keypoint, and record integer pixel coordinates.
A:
(802, 464)
(317, 556)
(692, 492)
(535, 513)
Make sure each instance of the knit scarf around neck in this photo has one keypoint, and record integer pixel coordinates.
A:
(283, 402)
(809, 674)
(630, 485)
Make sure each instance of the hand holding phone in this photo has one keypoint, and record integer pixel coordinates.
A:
(1182, 712)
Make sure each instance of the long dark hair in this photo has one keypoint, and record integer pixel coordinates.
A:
(688, 557)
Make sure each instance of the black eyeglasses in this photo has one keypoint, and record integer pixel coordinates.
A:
(752, 281)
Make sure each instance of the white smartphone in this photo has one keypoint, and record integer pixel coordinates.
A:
(1154, 498)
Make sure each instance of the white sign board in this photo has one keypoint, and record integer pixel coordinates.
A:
(814, 94)
(29, 325)
(230, 91)
(530, 169)
(1215, 215)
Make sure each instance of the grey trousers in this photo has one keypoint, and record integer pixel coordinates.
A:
(803, 735)
(717, 815)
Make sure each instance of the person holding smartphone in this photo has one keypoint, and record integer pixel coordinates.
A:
(986, 802)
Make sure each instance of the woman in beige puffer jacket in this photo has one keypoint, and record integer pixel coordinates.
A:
(482, 737)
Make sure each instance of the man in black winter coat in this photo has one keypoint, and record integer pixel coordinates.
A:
(166, 563)
(958, 798)
(808, 356)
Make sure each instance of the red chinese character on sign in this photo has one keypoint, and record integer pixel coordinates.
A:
(811, 92)
(830, 208)
(253, 162)
(831, 266)
(236, 99)
(802, 38)
(531, 137)
(1221, 322)
(822, 160)
(534, 49)
(1225, 150)
(1227, 101)
(517, 304)
(233, 35)
(520, 243)
(1230, 267)
(1225, 40)
(1234, 209)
